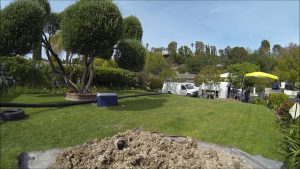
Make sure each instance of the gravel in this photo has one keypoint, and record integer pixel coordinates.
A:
(142, 149)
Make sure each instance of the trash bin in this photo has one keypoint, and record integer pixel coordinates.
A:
(107, 99)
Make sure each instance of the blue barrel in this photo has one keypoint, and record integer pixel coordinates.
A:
(107, 99)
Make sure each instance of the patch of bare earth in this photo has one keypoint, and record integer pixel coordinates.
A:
(142, 149)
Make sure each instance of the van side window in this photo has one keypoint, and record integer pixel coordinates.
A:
(183, 87)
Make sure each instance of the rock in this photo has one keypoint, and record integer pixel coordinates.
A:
(120, 143)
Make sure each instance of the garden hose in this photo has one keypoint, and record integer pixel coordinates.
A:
(64, 104)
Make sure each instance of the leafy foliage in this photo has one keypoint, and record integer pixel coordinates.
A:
(99, 62)
(172, 49)
(276, 100)
(264, 47)
(237, 72)
(182, 69)
(155, 63)
(208, 75)
(130, 55)
(288, 64)
(17, 71)
(260, 101)
(238, 55)
(194, 64)
(91, 27)
(132, 28)
(184, 52)
(21, 27)
(291, 146)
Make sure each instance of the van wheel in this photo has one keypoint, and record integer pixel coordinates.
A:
(188, 94)
(12, 114)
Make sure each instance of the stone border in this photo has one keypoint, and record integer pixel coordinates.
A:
(81, 97)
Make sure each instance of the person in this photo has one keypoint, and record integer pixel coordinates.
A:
(247, 95)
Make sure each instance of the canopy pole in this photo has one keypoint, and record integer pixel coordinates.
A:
(242, 86)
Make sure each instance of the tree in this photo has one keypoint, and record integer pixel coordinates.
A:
(238, 71)
(172, 49)
(132, 28)
(130, 55)
(238, 55)
(208, 75)
(37, 49)
(276, 49)
(155, 63)
(264, 47)
(21, 27)
(194, 64)
(91, 28)
(265, 63)
(199, 48)
(287, 67)
(184, 52)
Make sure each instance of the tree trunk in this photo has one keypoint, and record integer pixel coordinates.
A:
(37, 52)
(61, 70)
(87, 76)
(91, 75)
(67, 57)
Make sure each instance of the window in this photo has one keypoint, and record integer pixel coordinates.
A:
(183, 87)
(189, 86)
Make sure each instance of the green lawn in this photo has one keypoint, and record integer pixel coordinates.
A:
(249, 127)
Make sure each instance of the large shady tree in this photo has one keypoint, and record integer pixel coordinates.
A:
(21, 27)
(91, 28)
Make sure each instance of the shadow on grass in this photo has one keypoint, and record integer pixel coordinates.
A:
(139, 104)
(8, 98)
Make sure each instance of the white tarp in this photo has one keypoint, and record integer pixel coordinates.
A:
(295, 111)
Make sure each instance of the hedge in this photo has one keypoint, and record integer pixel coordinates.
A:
(17, 71)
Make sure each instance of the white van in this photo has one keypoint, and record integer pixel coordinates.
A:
(186, 89)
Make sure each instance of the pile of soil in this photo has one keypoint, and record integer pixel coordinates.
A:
(142, 149)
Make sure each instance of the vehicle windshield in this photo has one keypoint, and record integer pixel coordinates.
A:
(189, 86)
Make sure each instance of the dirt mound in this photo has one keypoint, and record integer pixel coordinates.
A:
(141, 149)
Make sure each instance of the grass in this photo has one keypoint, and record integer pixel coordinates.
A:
(249, 127)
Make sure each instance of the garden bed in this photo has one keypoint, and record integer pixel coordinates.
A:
(80, 97)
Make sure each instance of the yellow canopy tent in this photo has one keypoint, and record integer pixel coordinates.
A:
(260, 78)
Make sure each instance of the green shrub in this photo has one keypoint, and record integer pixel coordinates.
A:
(291, 146)
(112, 77)
(260, 101)
(19, 75)
(276, 100)
(155, 82)
(182, 69)
(285, 117)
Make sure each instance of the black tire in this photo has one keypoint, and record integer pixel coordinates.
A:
(13, 114)
(189, 95)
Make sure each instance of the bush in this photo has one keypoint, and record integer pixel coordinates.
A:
(260, 101)
(112, 77)
(130, 55)
(17, 71)
(182, 69)
(283, 112)
(24, 75)
(291, 146)
(155, 83)
(276, 100)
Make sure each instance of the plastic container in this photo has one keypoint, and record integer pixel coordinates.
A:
(107, 99)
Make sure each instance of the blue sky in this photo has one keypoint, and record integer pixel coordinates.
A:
(219, 23)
